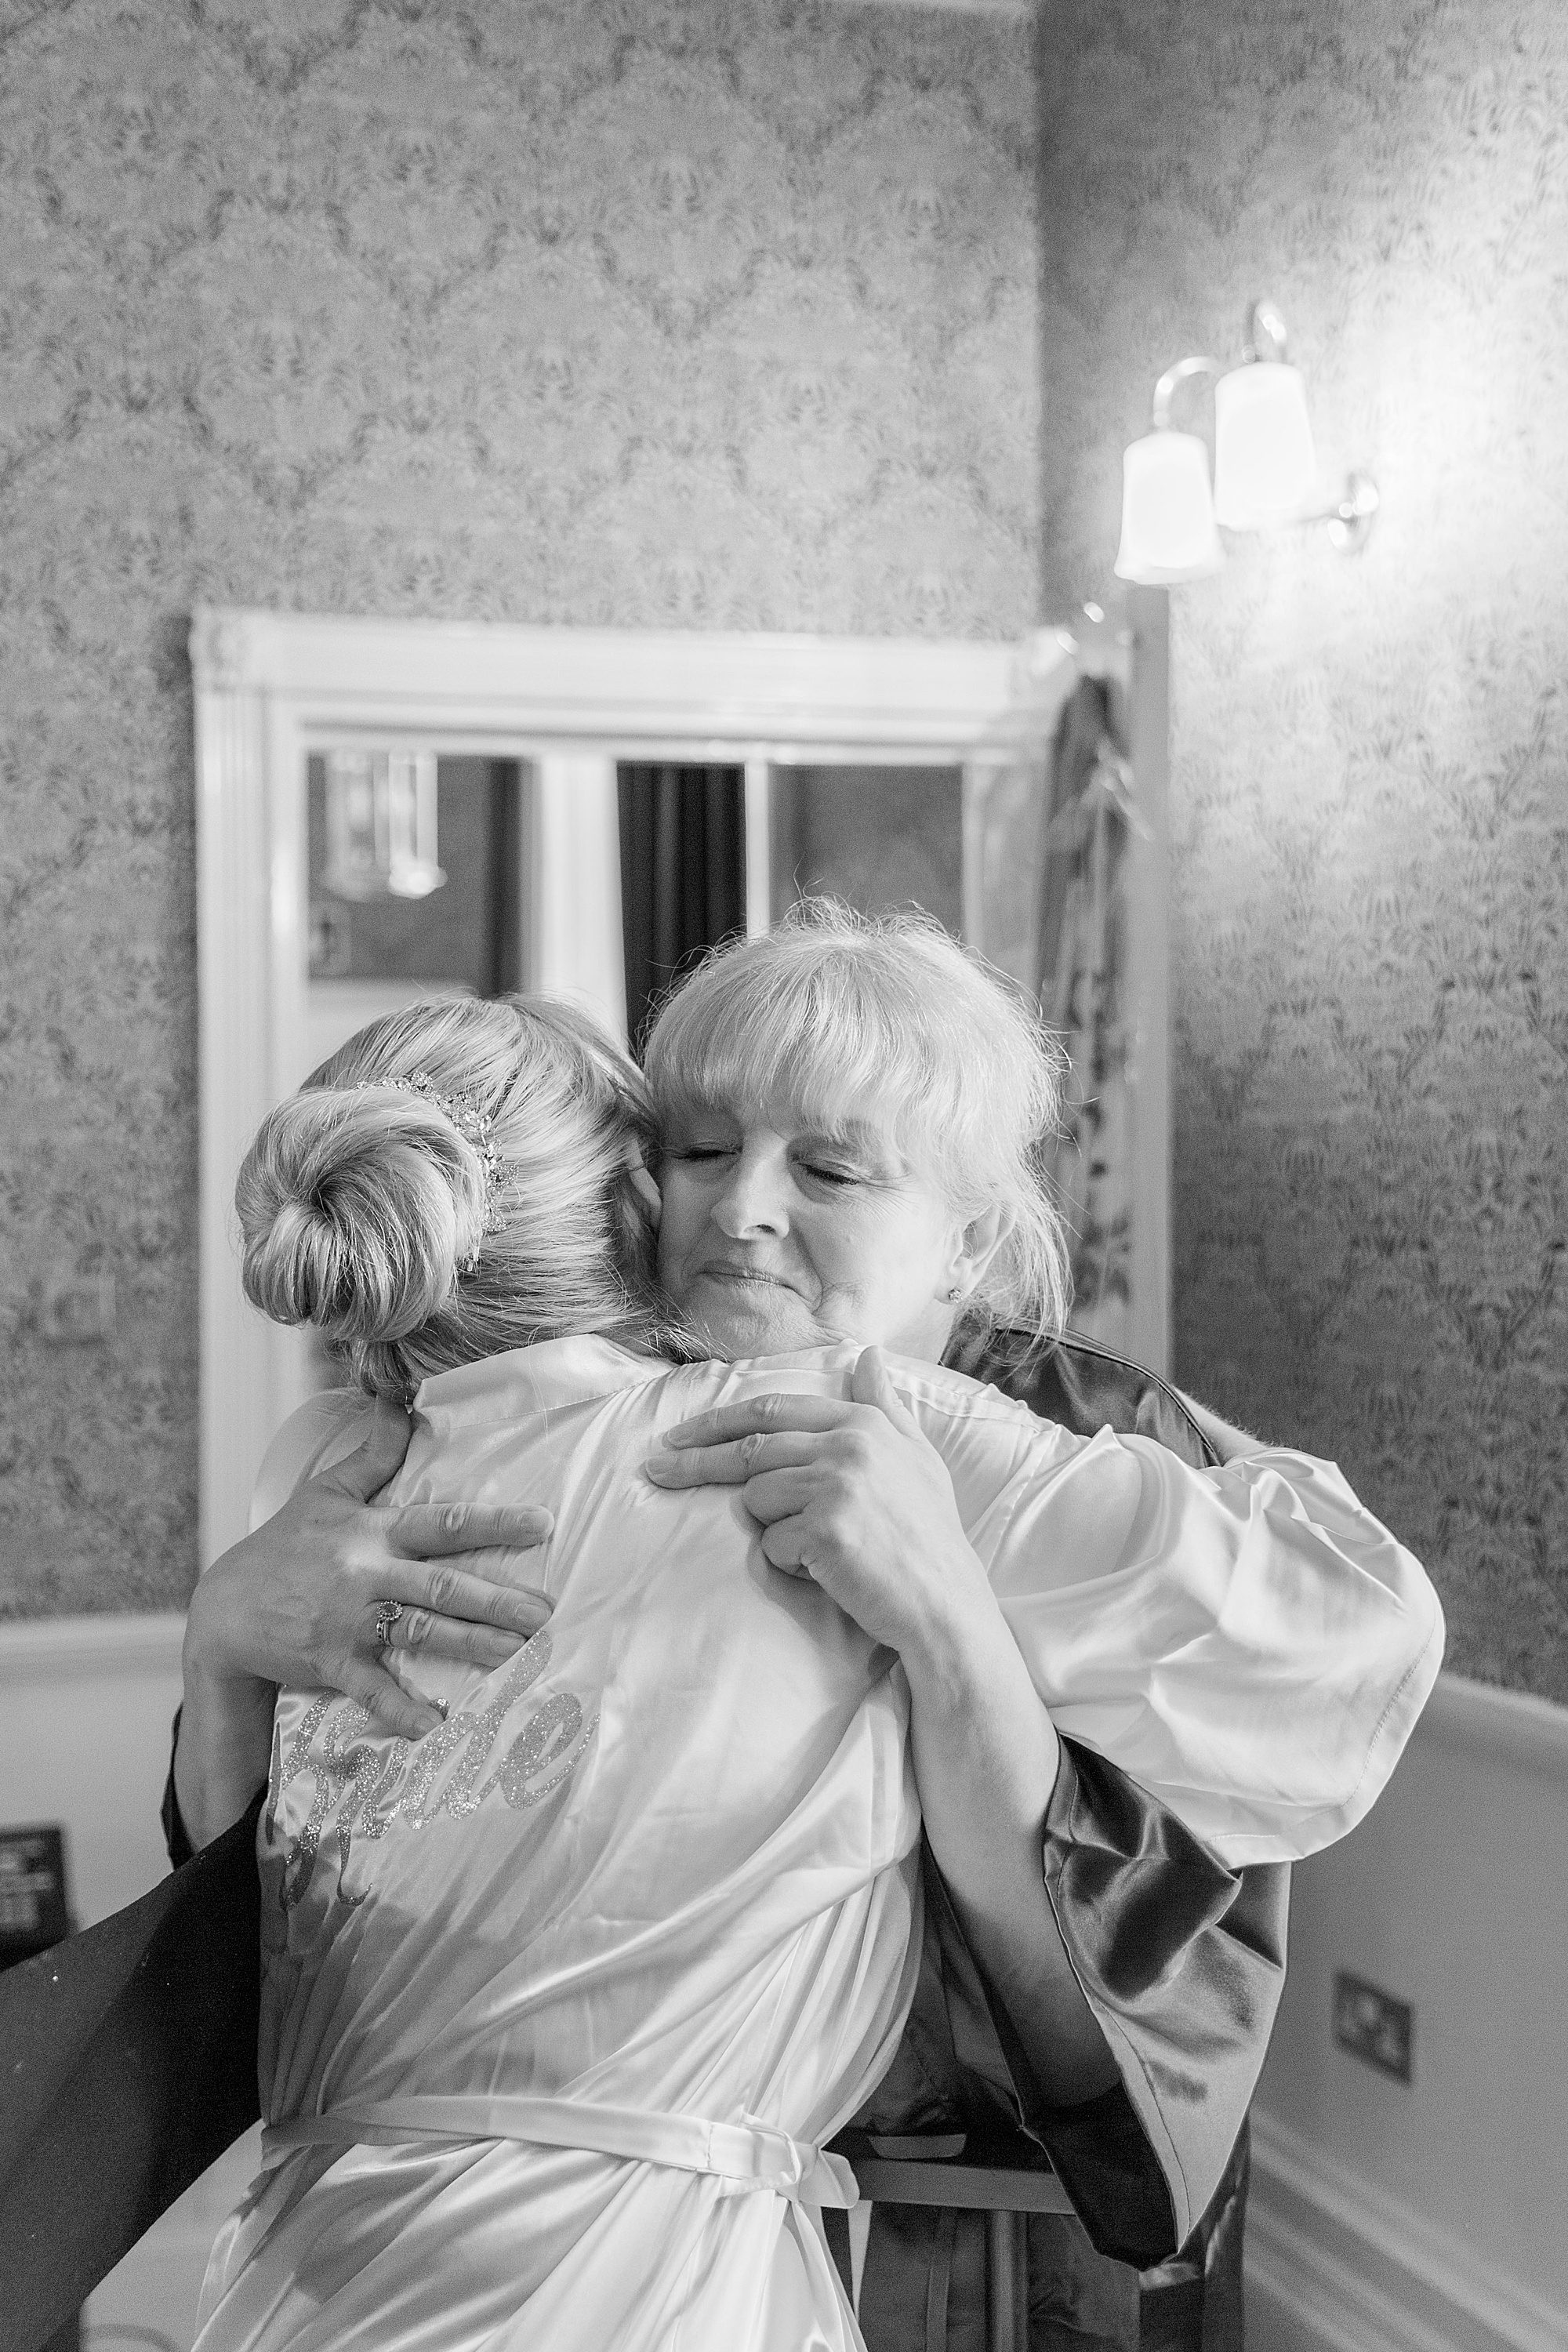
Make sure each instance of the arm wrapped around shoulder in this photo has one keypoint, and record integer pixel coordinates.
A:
(1247, 1643)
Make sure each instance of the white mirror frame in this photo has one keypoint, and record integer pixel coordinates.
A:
(270, 687)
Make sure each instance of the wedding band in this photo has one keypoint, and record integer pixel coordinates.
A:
(386, 1617)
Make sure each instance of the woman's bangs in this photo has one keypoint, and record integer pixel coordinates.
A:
(816, 1038)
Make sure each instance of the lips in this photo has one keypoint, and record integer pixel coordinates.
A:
(752, 1276)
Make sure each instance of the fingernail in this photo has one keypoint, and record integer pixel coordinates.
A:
(659, 1463)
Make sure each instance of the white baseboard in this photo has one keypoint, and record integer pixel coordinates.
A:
(1335, 2264)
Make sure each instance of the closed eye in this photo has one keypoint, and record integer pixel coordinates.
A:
(838, 1177)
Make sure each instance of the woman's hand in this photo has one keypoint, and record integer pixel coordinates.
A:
(852, 1495)
(297, 1603)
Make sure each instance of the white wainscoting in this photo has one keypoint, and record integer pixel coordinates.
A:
(85, 1709)
(1431, 2217)
(1335, 2265)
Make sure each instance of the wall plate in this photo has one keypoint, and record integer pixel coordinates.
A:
(1374, 2026)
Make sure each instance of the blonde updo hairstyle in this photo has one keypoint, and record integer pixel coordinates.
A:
(365, 1210)
(886, 1018)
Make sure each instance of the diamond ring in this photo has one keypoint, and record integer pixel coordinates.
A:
(386, 1617)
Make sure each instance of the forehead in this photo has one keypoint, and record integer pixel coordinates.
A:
(805, 1056)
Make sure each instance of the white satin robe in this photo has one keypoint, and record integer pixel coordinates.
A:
(659, 1872)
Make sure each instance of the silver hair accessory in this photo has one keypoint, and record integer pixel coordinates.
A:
(474, 1125)
(386, 1617)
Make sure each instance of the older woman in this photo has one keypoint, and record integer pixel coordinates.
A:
(825, 1177)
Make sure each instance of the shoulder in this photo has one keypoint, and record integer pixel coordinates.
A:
(545, 1377)
(951, 1407)
(323, 1430)
(994, 1446)
(1086, 1386)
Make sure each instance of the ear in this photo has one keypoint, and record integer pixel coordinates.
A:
(978, 1244)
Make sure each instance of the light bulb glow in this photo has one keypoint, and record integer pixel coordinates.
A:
(1167, 512)
(380, 812)
(1265, 464)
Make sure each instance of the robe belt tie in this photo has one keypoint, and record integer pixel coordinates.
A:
(744, 2155)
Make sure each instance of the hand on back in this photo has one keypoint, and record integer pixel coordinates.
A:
(297, 1601)
(851, 1493)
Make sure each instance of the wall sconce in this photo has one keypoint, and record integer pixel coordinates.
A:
(1264, 466)
(1168, 531)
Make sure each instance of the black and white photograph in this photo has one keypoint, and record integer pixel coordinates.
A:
(784, 1176)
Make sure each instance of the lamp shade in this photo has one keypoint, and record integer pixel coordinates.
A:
(1264, 462)
(1167, 514)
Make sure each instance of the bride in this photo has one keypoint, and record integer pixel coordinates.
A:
(616, 1947)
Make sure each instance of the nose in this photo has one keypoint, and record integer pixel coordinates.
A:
(752, 1201)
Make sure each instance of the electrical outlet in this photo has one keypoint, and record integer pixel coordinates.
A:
(33, 1912)
(77, 1308)
(1374, 2027)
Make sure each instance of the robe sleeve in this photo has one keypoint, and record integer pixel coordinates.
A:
(1182, 1962)
(323, 1430)
(1181, 1958)
(1251, 1644)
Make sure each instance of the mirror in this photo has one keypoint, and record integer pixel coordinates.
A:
(388, 807)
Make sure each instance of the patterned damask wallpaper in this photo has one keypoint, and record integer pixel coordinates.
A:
(1370, 756)
(714, 313)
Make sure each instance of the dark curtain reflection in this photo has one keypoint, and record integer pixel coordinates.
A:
(682, 871)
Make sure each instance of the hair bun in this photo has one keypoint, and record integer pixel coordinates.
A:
(357, 1208)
